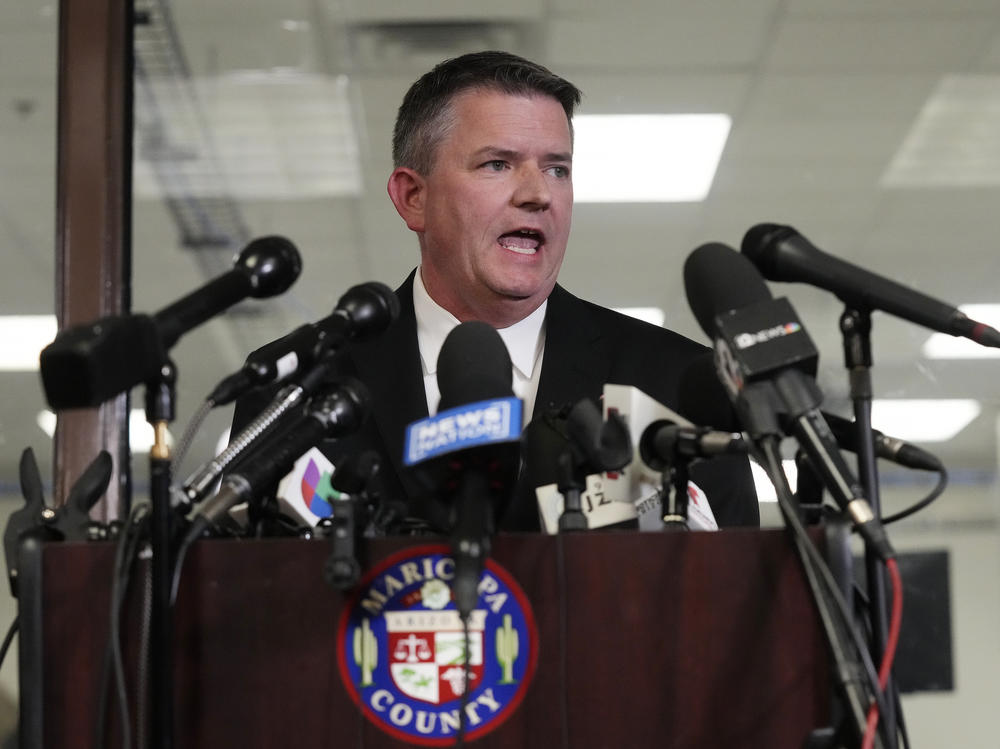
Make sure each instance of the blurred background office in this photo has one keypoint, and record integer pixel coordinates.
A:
(871, 126)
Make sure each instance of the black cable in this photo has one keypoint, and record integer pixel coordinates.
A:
(175, 575)
(125, 553)
(119, 586)
(862, 601)
(816, 571)
(8, 639)
(563, 586)
(838, 599)
(142, 672)
(102, 696)
(900, 722)
(935, 493)
(464, 699)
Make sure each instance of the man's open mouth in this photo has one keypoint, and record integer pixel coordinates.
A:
(522, 241)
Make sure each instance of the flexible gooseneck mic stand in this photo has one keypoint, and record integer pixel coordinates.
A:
(855, 327)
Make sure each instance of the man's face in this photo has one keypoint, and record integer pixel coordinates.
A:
(497, 206)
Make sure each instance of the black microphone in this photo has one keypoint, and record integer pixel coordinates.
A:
(362, 476)
(782, 254)
(703, 400)
(593, 445)
(266, 267)
(755, 335)
(889, 448)
(364, 311)
(761, 350)
(663, 442)
(715, 427)
(339, 412)
(350, 511)
(468, 452)
(602, 445)
(88, 364)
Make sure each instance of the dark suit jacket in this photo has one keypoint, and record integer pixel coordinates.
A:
(586, 346)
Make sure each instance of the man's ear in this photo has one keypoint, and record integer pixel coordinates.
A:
(407, 191)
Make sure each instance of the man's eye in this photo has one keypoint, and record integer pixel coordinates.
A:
(559, 171)
(496, 165)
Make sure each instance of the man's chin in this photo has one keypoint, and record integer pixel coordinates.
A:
(520, 293)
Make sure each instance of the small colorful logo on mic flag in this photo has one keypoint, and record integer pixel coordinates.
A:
(307, 490)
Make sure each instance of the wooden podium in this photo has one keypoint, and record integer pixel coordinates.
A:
(644, 640)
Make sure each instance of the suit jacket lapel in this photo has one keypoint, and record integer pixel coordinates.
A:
(577, 358)
(390, 366)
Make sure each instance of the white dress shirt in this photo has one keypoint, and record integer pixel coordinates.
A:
(525, 341)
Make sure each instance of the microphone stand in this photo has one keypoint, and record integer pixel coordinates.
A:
(675, 496)
(160, 397)
(571, 484)
(855, 327)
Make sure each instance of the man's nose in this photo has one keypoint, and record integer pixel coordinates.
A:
(532, 190)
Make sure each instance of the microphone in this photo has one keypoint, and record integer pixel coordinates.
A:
(663, 442)
(782, 254)
(469, 451)
(889, 448)
(593, 446)
(755, 335)
(266, 267)
(340, 412)
(350, 512)
(363, 312)
(705, 401)
(88, 364)
(760, 351)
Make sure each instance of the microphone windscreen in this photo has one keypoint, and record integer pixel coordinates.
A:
(272, 264)
(371, 308)
(759, 244)
(718, 279)
(355, 471)
(543, 442)
(473, 365)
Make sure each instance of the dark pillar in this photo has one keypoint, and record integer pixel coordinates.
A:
(93, 219)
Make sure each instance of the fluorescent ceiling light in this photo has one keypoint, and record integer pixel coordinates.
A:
(942, 346)
(953, 142)
(924, 420)
(646, 158)
(653, 315)
(24, 337)
(140, 431)
(248, 134)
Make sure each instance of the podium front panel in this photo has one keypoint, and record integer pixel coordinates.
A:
(665, 640)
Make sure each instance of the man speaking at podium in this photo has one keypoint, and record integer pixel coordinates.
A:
(483, 155)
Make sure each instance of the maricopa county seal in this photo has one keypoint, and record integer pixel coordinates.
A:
(400, 648)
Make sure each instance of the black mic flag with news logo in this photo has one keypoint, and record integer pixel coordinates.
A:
(755, 335)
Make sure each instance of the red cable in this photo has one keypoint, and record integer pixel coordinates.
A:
(890, 649)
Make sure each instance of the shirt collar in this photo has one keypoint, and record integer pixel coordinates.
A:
(523, 339)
